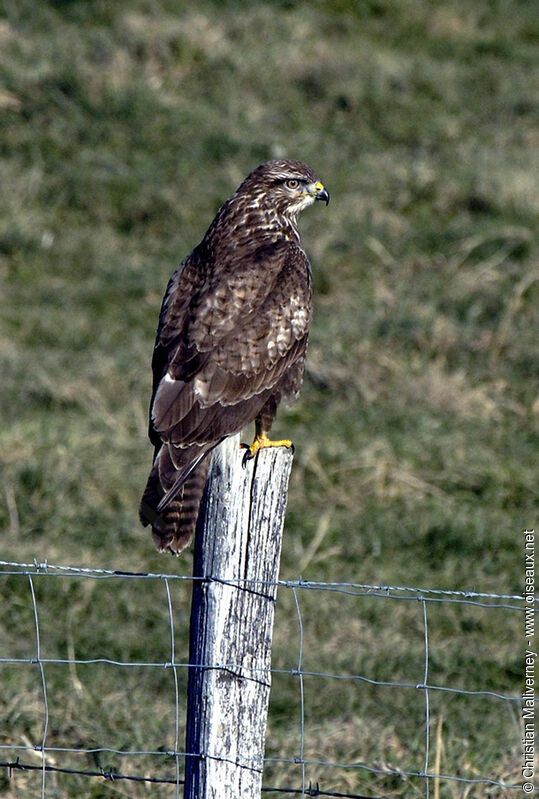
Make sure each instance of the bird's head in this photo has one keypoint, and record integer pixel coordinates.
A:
(285, 187)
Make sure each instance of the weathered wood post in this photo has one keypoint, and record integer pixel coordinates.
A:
(237, 552)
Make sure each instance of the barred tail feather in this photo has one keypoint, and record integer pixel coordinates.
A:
(174, 526)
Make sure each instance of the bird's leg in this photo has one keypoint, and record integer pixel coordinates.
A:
(261, 441)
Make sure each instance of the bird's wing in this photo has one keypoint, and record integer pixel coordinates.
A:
(224, 341)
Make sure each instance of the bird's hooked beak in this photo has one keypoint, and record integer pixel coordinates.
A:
(320, 193)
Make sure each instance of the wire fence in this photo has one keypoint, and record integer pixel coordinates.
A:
(161, 765)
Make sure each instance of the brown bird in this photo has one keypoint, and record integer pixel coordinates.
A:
(231, 341)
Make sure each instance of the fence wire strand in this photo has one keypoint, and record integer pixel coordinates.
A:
(39, 663)
(301, 692)
(421, 596)
(176, 689)
(427, 706)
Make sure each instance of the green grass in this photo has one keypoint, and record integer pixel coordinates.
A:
(123, 127)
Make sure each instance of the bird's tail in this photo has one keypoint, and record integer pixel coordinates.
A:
(173, 522)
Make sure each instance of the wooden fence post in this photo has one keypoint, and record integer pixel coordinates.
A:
(237, 552)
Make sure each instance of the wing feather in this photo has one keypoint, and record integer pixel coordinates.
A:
(232, 342)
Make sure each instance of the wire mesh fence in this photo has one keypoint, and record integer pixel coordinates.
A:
(94, 669)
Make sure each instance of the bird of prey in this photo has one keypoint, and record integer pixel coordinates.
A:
(231, 341)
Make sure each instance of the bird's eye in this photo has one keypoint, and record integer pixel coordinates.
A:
(292, 184)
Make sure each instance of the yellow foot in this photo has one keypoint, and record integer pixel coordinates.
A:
(261, 442)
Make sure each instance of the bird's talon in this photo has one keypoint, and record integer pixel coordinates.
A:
(248, 454)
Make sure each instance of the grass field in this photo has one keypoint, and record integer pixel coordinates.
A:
(123, 128)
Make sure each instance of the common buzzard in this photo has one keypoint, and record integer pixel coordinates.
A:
(231, 341)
